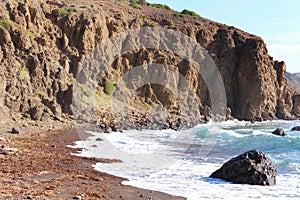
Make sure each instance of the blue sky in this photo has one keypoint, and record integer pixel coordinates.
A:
(276, 21)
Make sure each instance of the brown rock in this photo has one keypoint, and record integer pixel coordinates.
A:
(43, 53)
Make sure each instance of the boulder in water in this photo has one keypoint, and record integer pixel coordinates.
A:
(252, 167)
(279, 132)
(296, 128)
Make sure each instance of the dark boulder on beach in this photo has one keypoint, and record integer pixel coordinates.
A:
(279, 132)
(296, 128)
(252, 167)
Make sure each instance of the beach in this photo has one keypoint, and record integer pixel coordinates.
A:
(43, 167)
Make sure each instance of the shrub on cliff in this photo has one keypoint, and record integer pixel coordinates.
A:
(6, 24)
(134, 4)
(188, 12)
(109, 87)
(60, 11)
(157, 5)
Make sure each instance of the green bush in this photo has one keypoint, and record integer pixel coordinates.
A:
(136, 5)
(141, 2)
(6, 24)
(60, 11)
(158, 5)
(72, 10)
(188, 12)
(179, 15)
(109, 87)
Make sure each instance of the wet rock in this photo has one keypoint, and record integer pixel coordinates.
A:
(296, 128)
(99, 139)
(252, 167)
(279, 132)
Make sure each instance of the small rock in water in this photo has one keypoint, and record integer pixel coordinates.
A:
(296, 128)
(252, 167)
(15, 130)
(279, 131)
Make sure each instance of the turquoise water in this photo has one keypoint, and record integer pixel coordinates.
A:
(180, 163)
(239, 137)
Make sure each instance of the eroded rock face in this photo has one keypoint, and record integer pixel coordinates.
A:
(43, 53)
(252, 167)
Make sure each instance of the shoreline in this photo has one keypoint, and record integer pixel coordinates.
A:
(42, 166)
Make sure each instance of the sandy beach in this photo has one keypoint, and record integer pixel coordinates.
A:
(39, 165)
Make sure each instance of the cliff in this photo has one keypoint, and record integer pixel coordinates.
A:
(44, 45)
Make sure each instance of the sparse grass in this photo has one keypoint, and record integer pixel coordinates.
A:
(41, 94)
(147, 106)
(61, 12)
(136, 5)
(22, 74)
(161, 6)
(162, 54)
(29, 33)
(179, 15)
(72, 10)
(130, 67)
(6, 24)
(23, 54)
(109, 87)
(189, 12)
(115, 72)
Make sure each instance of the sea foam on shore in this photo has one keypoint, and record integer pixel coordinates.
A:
(179, 163)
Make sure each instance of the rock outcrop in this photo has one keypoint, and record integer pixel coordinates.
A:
(43, 50)
(279, 132)
(296, 128)
(252, 167)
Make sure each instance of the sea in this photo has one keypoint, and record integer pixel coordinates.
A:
(180, 162)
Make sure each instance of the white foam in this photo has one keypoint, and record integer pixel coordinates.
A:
(156, 160)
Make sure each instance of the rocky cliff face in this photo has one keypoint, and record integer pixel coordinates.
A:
(43, 46)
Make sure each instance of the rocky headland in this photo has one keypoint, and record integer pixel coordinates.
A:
(44, 45)
(43, 49)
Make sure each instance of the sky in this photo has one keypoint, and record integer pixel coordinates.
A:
(276, 21)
